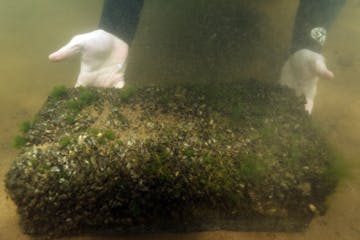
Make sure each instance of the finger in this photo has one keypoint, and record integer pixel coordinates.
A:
(72, 48)
(322, 71)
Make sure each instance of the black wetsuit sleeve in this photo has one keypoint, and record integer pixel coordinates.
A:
(121, 17)
(313, 19)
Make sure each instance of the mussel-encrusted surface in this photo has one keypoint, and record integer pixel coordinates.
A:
(243, 156)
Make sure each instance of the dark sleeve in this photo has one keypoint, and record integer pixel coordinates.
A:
(121, 17)
(313, 19)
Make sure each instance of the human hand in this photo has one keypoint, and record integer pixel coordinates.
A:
(103, 58)
(301, 73)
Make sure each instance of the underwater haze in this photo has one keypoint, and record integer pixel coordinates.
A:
(181, 41)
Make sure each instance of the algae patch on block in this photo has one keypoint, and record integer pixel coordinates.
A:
(241, 156)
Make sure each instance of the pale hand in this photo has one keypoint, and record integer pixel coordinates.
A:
(103, 58)
(301, 73)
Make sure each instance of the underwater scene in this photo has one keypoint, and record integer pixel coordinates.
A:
(204, 119)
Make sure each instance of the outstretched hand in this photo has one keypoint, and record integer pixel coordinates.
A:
(301, 73)
(103, 58)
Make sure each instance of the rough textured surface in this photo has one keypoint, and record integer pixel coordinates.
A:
(240, 156)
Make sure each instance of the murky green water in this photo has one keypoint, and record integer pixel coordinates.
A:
(165, 48)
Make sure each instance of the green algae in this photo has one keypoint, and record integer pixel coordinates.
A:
(25, 127)
(85, 98)
(58, 93)
(19, 142)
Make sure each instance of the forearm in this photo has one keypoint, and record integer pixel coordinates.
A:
(121, 17)
(312, 22)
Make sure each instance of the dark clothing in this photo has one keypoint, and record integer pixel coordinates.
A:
(312, 14)
(121, 17)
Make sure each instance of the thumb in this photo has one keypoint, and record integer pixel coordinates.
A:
(72, 48)
(322, 71)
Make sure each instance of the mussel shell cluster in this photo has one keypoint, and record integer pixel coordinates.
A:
(241, 156)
